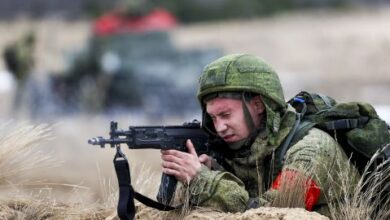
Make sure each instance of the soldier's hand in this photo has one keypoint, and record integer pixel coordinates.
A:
(184, 166)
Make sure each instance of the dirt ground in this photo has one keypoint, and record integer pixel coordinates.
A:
(263, 213)
(342, 54)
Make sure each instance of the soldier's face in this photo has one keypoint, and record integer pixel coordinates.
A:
(228, 117)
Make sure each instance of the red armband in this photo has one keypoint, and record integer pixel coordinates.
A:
(312, 191)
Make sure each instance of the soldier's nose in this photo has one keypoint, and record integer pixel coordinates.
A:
(220, 127)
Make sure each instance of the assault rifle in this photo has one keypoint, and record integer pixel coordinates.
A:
(150, 137)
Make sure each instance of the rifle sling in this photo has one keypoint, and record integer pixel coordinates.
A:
(154, 204)
(126, 208)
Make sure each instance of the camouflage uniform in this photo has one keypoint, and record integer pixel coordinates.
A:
(317, 151)
(19, 60)
(19, 56)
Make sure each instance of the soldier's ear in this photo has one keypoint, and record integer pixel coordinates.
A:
(258, 104)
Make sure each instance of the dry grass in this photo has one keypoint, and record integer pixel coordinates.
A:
(20, 154)
(108, 190)
(368, 200)
(48, 209)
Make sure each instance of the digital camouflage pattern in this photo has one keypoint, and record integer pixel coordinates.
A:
(355, 125)
(218, 189)
(241, 72)
(317, 152)
(368, 138)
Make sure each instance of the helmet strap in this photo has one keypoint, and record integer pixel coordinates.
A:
(248, 120)
(247, 115)
(207, 125)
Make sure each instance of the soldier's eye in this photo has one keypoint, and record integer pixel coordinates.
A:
(225, 115)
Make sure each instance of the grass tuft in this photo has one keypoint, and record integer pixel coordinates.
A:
(18, 152)
(369, 200)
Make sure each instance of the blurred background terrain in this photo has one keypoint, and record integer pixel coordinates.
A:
(137, 62)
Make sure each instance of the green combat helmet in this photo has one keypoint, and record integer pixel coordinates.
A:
(241, 73)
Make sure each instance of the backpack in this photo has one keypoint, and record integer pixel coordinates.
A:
(354, 125)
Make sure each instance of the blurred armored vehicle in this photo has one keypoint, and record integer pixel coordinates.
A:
(131, 63)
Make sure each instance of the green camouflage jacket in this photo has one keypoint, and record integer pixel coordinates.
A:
(317, 155)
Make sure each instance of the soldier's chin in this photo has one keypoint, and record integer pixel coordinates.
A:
(236, 144)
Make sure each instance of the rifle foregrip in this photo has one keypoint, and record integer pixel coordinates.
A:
(167, 189)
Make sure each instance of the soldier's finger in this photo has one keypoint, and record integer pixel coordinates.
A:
(172, 158)
(175, 153)
(171, 172)
(191, 148)
(206, 160)
(171, 165)
(203, 158)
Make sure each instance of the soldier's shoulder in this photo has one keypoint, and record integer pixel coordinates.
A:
(315, 143)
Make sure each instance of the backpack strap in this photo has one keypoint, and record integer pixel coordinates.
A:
(344, 123)
(287, 142)
(275, 162)
(299, 130)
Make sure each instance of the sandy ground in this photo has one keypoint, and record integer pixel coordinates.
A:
(262, 213)
(343, 54)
